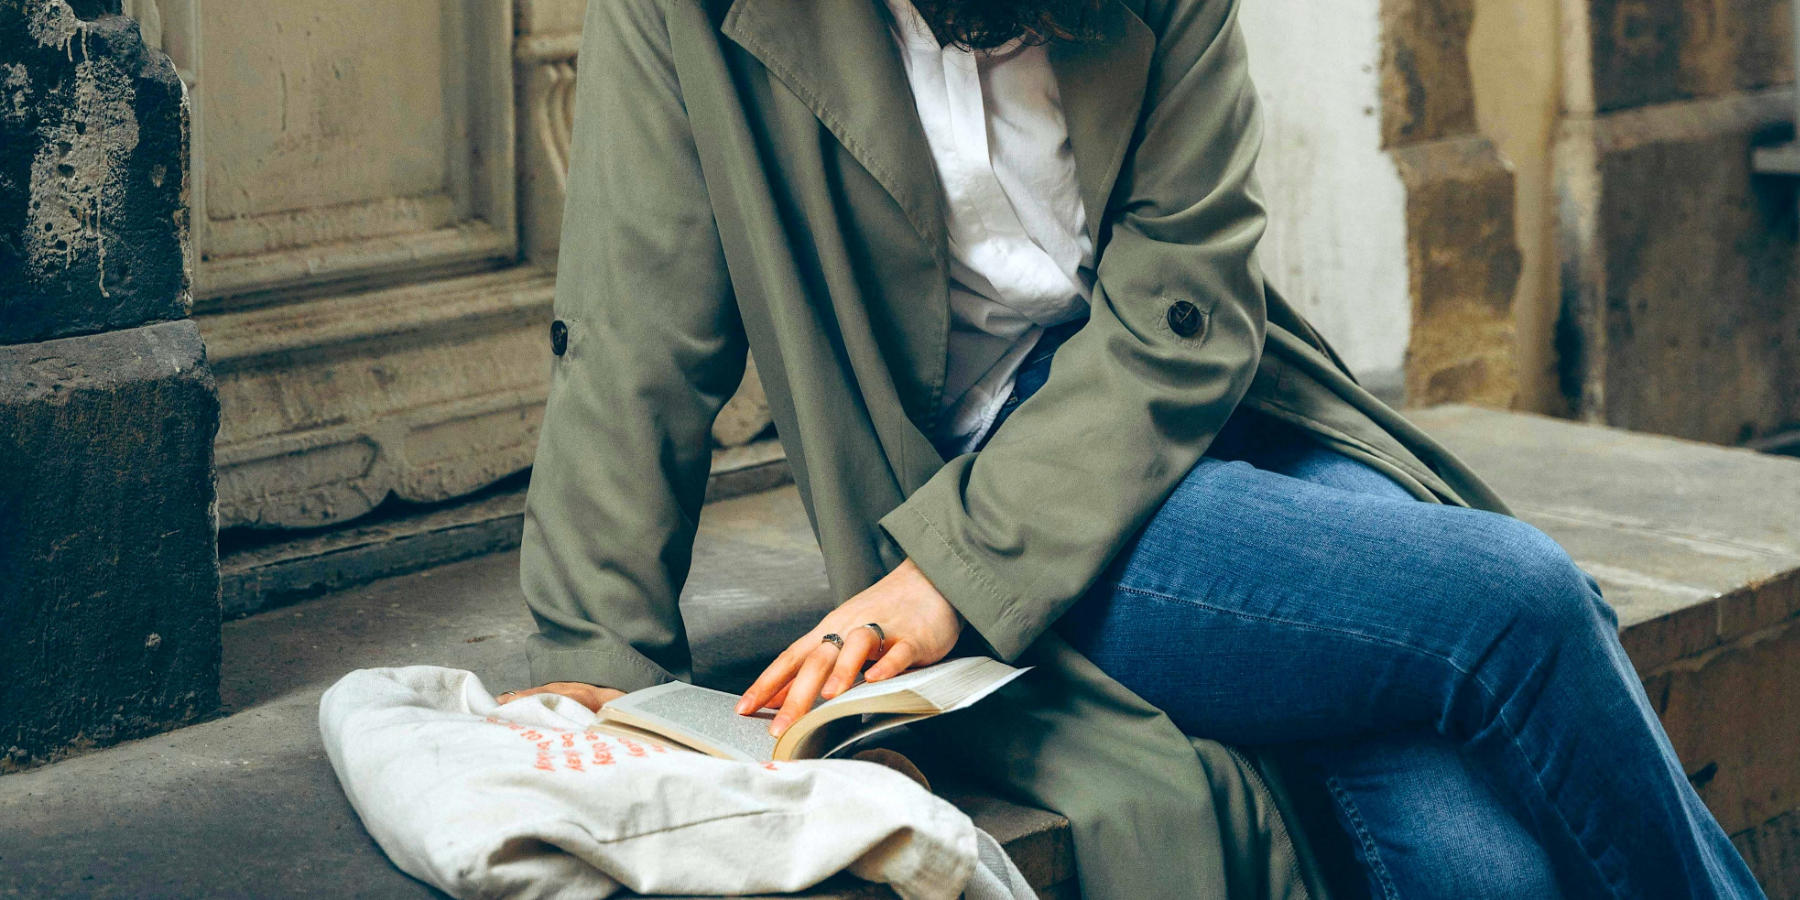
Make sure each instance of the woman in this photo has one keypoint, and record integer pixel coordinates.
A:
(1193, 521)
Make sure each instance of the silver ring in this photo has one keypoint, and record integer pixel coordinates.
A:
(880, 636)
(509, 694)
(833, 640)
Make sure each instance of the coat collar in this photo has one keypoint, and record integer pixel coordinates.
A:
(838, 57)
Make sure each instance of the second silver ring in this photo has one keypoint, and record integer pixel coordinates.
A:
(880, 636)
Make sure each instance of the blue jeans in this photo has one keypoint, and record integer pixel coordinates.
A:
(1450, 676)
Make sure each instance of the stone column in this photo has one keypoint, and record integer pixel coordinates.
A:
(1462, 257)
(109, 584)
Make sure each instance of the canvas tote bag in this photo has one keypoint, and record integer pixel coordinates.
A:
(535, 799)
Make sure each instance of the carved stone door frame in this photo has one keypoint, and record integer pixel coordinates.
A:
(375, 300)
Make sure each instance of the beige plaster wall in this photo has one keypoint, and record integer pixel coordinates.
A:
(1514, 63)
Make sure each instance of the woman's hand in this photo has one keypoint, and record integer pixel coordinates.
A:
(920, 626)
(591, 696)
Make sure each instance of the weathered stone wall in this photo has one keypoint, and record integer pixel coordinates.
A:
(375, 196)
(1677, 264)
(1391, 215)
(1583, 234)
(1462, 257)
(1723, 712)
(109, 580)
(93, 218)
(1513, 65)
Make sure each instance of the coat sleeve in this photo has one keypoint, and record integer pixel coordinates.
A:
(654, 349)
(1014, 534)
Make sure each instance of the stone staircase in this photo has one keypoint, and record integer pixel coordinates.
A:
(1697, 546)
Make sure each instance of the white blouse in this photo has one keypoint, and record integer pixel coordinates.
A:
(1021, 258)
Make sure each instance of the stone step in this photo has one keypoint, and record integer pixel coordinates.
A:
(1698, 546)
(261, 570)
(1695, 545)
(247, 805)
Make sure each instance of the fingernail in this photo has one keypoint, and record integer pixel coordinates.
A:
(741, 707)
(776, 728)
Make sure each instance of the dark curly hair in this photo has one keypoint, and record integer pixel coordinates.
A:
(985, 24)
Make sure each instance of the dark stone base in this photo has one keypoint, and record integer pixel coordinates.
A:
(109, 577)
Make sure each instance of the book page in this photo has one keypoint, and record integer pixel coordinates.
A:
(697, 716)
(707, 720)
(947, 686)
(869, 708)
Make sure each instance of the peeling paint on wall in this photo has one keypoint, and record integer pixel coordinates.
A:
(1336, 244)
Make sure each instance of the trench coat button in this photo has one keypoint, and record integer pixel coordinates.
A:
(1184, 318)
(559, 337)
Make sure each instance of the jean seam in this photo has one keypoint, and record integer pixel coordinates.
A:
(1512, 734)
(1537, 778)
(1372, 638)
(1360, 830)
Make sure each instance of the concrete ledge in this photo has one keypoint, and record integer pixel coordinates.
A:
(1695, 545)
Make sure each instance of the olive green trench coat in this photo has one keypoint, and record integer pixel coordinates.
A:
(752, 175)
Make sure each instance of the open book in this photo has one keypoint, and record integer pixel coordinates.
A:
(706, 720)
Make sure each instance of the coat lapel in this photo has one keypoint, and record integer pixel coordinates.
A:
(839, 58)
(1101, 85)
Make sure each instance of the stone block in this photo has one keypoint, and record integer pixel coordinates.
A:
(1427, 92)
(1642, 52)
(109, 584)
(1773, 851)
(93, 221)
(423, 391)
(1723, 713)
(746, 415)
(1463, 266)
(1679, 270)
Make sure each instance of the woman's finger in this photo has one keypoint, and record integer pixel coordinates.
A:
(773, 678)
(805, 688)
(898, 658)
(857, 646)
(779, 698)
